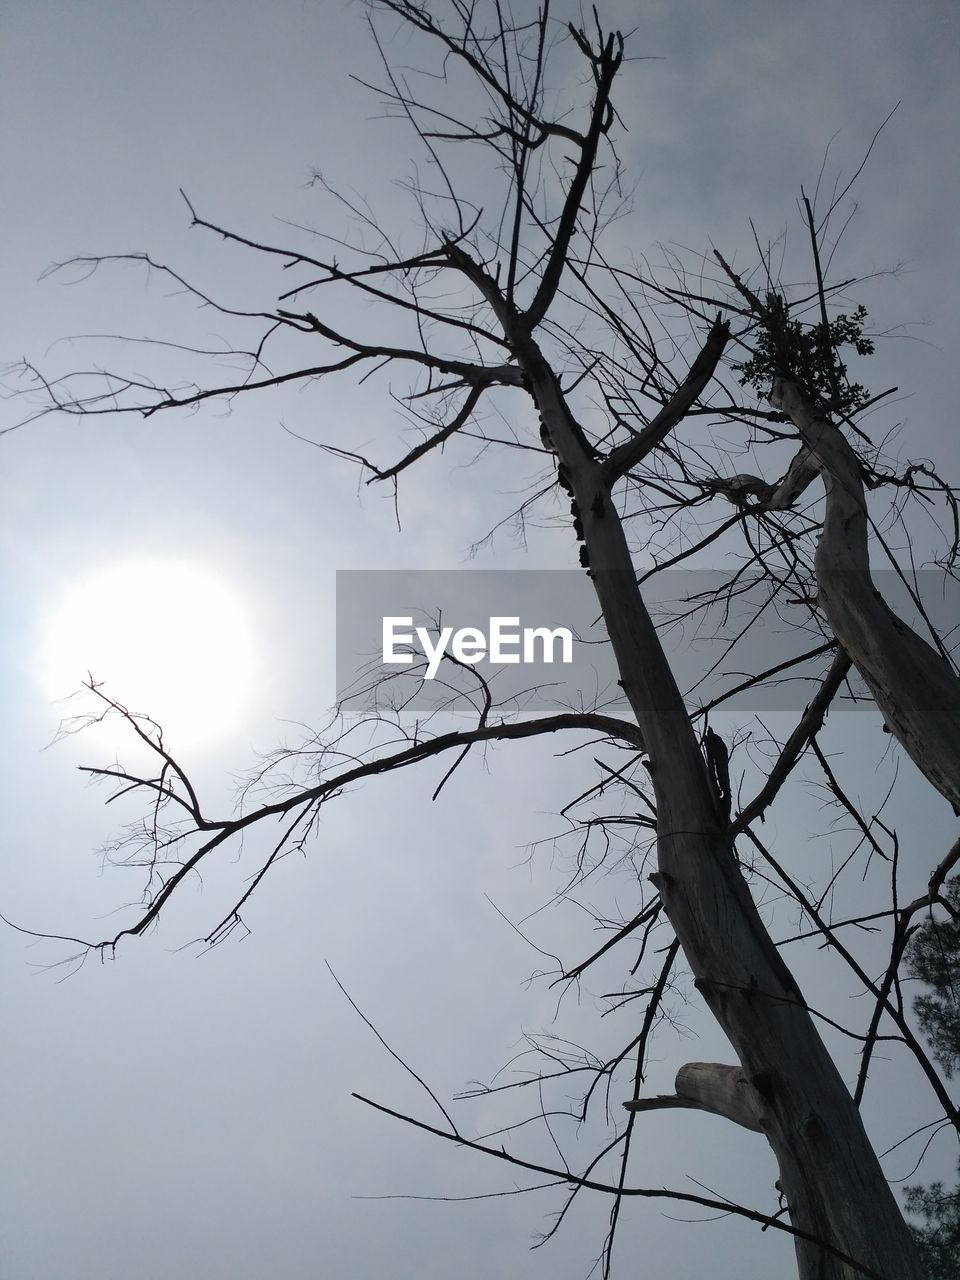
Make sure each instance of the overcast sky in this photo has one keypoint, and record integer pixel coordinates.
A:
(166, 1114)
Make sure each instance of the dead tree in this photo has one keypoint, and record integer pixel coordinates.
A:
(504, 300)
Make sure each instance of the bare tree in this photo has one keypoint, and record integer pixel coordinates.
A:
(519, 299)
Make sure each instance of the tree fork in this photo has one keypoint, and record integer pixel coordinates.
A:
(913, 685)
(829, 1173)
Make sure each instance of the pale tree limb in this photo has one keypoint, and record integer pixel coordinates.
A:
(710, 1086)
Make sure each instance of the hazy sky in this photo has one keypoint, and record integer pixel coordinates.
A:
(169, 1115)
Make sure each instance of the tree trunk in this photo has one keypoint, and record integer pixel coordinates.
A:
(914, 687)
(829, 1174)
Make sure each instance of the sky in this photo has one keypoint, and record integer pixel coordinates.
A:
(172, 1113)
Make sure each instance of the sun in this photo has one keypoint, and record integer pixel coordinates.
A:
(165, 638)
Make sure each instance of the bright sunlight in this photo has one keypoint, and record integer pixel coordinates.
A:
(164, 638)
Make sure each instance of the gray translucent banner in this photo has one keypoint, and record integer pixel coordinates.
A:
(500, 630)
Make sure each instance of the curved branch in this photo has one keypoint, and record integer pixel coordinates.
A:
(913, 686)
(303, 802)
(810, 724)
(683, 399)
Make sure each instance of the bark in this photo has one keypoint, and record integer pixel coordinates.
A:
(710, 1086)
(830, 1176)
(913, 685)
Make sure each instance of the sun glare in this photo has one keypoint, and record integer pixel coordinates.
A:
(163, 638)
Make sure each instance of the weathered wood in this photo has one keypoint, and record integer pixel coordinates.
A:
(913, 685)
(710, 1086)
(829, 1173)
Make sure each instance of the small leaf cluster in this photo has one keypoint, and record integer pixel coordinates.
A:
(808, 355)
(938, 1238)
(933, 956)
